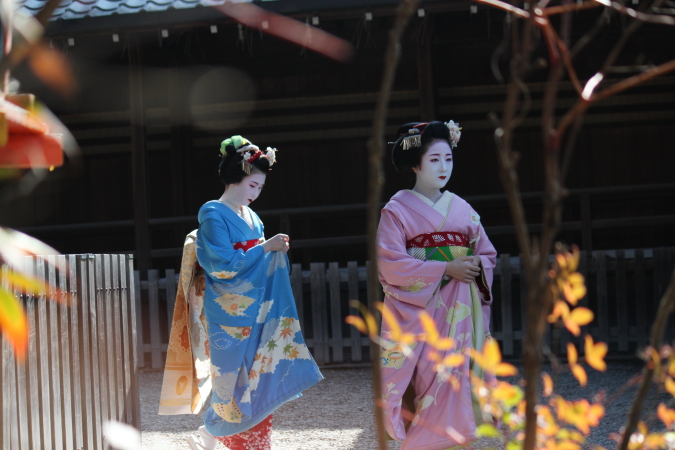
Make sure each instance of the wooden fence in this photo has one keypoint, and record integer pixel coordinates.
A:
(624, 287)
(81, 366)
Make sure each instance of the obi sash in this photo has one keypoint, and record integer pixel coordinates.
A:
(246, 244)
(440, 246)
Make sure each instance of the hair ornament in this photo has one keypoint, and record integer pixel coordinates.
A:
(249, 153)
(271, 155)
(455, 132)
(413, 140)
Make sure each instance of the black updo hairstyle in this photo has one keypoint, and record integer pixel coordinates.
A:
(230, 170)
(413, 140)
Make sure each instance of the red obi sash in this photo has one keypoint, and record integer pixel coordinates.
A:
(439, 239)
(246, 245)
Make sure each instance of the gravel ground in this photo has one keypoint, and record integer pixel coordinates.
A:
(337, 413)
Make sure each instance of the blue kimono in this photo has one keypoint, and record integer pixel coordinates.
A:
(259, 359)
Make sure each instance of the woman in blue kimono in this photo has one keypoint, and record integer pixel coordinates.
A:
(259, 359)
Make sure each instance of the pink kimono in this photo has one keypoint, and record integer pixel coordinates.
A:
(411, 230)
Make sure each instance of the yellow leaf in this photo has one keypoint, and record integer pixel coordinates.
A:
(595, 354)
(390, 320)
(572, 327)
(666, 415)
(372, 324)
(492, 354)
(581, 316)
(560, 309)
(670, 386)
(572, 355)
(358, 323)
(13, 322)
(444, 344)
(548, 383)
(487, 430)
(453, 360)
(561, 260)
(506, 370)
(429, 327)
(580, 374)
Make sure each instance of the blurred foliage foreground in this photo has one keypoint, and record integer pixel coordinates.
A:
(561, 424)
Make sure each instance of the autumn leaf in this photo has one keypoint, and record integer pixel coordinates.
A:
(595, 354)
(666, 415)
(670, 386)
(429, 327)
(487, 430)
(390, 320)
(287, 322)
(580, 374)
(578, 317)
(271, 345)
(252, 374)
(52, 68)
(453, 360)
(580, 413)
(286, 332)
(294, 353)
(13, 323)
(490, 360)
(548, 384)
(357, 323)
(288, 348)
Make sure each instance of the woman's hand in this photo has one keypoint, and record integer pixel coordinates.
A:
(278, 242)
(463, 269)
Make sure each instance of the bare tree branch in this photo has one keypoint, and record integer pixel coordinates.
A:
(666, 307)
(375, 181)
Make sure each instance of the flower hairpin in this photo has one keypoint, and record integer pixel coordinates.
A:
(455, 132)
(271, 155)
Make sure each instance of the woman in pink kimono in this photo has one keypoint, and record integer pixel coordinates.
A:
(433, 256)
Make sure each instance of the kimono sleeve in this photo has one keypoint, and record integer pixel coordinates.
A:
(403, 277)
(217, 255)
(488, 258)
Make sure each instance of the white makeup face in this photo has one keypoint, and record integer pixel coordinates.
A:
(436, 165)
(248, 189)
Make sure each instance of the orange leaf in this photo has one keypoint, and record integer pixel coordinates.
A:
(492, 354)
(572, 355)
(453, 360)
(581, 316)
(52, 68)
(548, 384)
(559, 310)
(595, 354)
(390, 320)
(13, 322)
(670, 386)
(358, 323)
(505, 370)
(580, 374)
(666, 415)
(429, 327)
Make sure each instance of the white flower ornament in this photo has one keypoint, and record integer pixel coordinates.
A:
(455, 132)
(271, 156)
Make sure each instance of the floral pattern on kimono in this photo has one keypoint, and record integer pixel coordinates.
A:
(442, 416)
(259, 359)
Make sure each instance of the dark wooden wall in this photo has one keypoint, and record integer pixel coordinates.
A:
(200, 88)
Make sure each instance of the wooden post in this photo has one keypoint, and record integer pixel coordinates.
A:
(138, 156)
(425, 77)
(586, 224)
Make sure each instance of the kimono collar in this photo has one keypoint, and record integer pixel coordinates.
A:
(234, 219)
(424, 209)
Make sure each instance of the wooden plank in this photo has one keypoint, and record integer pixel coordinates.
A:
(109, 340)
(318, 290)
(21, 392)
(640, 299)
(75, 349)
(10, 395)
(119, 359)
(33, 362)
(170, 295)
(134, 294)
(138, 323)
(353, 286)
(89, 376)
(55, 350)
(506, 304)
(296, 284)
(601, 279)
(335, 312)
(126, 304)
(586, 223)
(101, 344)
(155, 337)
(621, 300)
(43, 356)
(66, 336)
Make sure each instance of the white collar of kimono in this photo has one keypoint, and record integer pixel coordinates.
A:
(441, 206)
